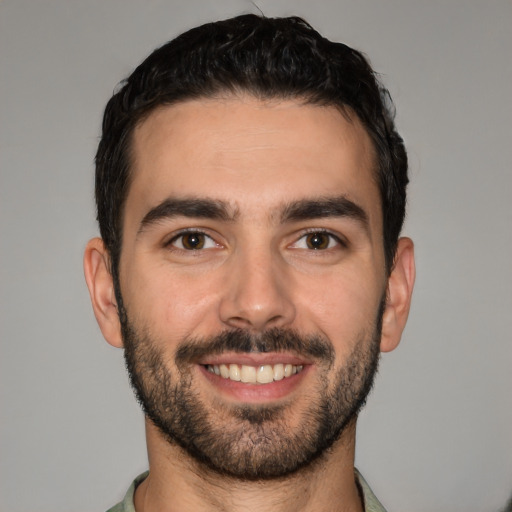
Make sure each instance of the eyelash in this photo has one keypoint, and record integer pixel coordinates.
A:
(191, 231)
(194, 231)
(313, 231)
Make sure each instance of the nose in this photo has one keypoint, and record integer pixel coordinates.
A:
(257, 293)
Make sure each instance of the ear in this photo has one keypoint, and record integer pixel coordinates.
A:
(101, 289)
(399, 292)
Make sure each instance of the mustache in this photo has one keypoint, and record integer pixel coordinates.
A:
(243, 342)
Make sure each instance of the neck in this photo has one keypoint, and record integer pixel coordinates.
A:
(178, 483)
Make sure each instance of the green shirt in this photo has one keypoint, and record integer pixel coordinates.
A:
(371, 503)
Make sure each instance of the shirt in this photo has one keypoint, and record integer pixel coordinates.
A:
(371, 503)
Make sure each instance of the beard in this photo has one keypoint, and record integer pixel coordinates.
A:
(251, 441)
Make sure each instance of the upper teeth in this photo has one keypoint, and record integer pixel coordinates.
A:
(251, 374)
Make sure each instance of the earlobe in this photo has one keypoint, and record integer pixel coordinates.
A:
(399, 292)
(101, 290)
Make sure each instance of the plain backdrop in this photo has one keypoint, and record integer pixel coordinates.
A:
(436, 433)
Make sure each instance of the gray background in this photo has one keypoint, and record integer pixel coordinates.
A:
(436, 434)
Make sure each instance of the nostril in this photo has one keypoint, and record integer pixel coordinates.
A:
(274, 320)
(255, 323)
(239, 322)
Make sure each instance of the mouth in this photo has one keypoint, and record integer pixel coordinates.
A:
(261, 374)
(255, 378)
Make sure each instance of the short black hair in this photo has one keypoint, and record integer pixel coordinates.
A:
(269, 58)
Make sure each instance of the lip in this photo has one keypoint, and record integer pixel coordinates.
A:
(254, 393)
(254, 359)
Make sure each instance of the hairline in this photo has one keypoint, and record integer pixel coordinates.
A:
(231, 93)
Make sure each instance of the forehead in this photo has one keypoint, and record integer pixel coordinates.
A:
(249, 153)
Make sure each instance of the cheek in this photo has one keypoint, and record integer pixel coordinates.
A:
(173, 304)
(343, 306)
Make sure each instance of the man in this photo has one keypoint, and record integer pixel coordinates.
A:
(250, 187)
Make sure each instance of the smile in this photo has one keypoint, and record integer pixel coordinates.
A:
(263, 374)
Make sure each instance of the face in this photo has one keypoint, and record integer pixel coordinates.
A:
(252, 279)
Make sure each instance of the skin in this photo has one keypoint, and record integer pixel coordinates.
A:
(257, 158)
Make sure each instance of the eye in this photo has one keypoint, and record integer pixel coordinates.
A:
(317, 241)
(192, 241)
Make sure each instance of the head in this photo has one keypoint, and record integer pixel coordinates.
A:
(282, 58)
(251, 190)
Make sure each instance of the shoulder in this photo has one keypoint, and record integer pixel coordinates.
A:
(371, 503)
(127, 504)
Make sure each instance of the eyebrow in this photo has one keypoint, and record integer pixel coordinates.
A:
(340, 206)
(193, 208)
(304, 209)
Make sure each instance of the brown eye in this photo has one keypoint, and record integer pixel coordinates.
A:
(193, 241)
(317, 241)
